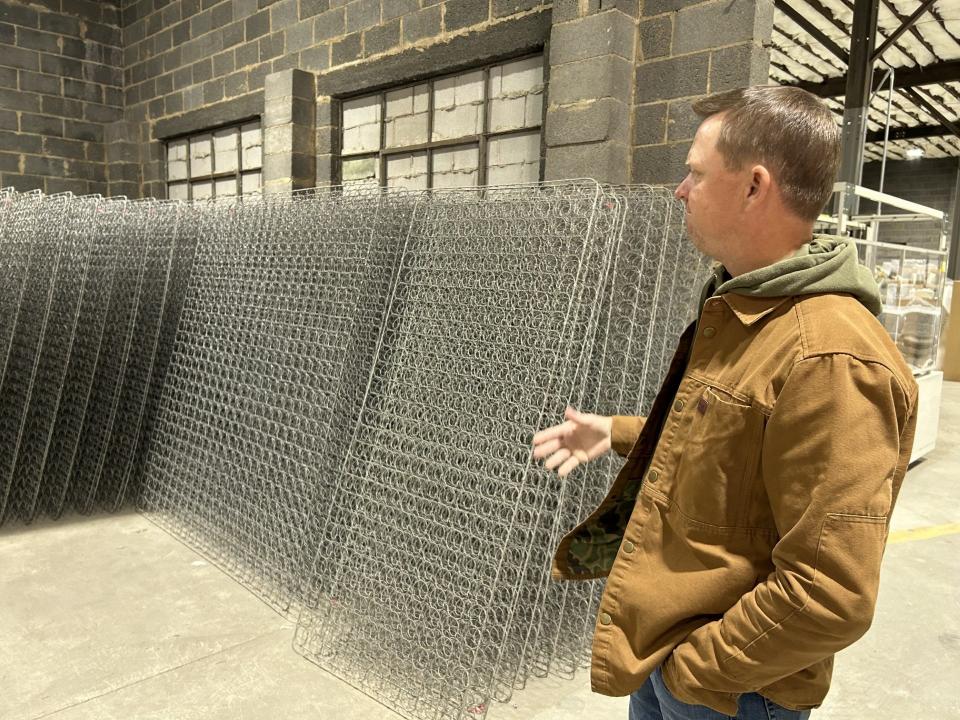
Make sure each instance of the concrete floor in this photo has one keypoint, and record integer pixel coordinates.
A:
(110, 617)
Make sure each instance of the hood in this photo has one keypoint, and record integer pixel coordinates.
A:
(824, 265)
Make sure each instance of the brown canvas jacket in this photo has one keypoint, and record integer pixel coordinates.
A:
(742, 539)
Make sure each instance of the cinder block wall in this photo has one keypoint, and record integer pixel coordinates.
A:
(688, 49)
(60, 89)
(619, 74)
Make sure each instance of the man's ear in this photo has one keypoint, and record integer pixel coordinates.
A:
(760, 182)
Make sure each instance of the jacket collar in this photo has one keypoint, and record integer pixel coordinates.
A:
(750, 310)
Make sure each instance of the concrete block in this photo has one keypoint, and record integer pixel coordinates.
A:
(58, 147)
(94, 112)
(299, 36)
(271, 46)
(289, 83)
(80, 130)
(329, 25)
(328, 111)
(20, 58)
(284, 14)
(247, 55)
(682, 121)
(327, 167)
(660, 164)
(655, 37)
(79, 90)
(310, 8)
(222, 14)
(38, 40)
(213, 91)
(223, 63)
(605, 76)
(9, 162)
(316, 59)
(596, 121)
(18, 14)
(345, 50)
(421, 24)
(232, 34)
(460, 14)
(8, 120)
(650, 124)
(671, 78)
(202, 70)
(382, 38)
(361, 14)
(718, 23)
(74, 185)
(8, 77)
(58, 23)
(23, 183)
(738, 66)
(65, 67)
(257, 25)
(604, 162)
(288, 139)
(607, 33)
(19, 142)
(395, 8)
(35, 82)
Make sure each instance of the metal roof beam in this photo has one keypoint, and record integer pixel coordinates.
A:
(906, 25)
(942, 72)
(909, 133)
(814, 31)
(931, 110)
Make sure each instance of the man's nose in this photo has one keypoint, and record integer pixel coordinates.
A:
(681, 192)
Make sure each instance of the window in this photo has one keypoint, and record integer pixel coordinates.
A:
(480, 127)
(218, 163)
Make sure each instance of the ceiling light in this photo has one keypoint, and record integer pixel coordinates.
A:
(914, 153)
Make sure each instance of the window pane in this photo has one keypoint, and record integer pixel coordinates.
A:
(456, 167)
(516, 95)
(225, 150)
(458, 106)
(200, 156)
(177, 191)
(226, 187)
(202, 190)
(361, 172)
(361, 124)
(250, 182)
(177, 160)
(407, 171)
(513, 159)
(251, 142)
(406, 117)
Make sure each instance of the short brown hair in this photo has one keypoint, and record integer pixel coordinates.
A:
(792, 132)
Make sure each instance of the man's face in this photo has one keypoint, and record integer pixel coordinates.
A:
(713, 195)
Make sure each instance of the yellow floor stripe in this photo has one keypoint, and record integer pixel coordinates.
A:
(923, 533)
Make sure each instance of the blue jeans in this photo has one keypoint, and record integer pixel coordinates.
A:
(654, 701)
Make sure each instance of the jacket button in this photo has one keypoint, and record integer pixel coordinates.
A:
(678, 405)
(605, 618)
(628, 547)
(709, 332)
(652, 476)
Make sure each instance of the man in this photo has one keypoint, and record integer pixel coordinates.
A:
(742, 539)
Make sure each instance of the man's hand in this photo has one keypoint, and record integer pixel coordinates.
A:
(582, 438)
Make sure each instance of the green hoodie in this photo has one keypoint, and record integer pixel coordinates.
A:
(823, 265)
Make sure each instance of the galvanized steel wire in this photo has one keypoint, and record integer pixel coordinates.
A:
(332, 395)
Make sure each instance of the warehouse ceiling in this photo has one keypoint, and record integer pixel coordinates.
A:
(811, 39)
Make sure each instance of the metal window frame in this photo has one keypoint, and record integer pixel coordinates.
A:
(213, 175)
(481, 140)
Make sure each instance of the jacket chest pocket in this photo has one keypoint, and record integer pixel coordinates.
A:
(719, 463)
